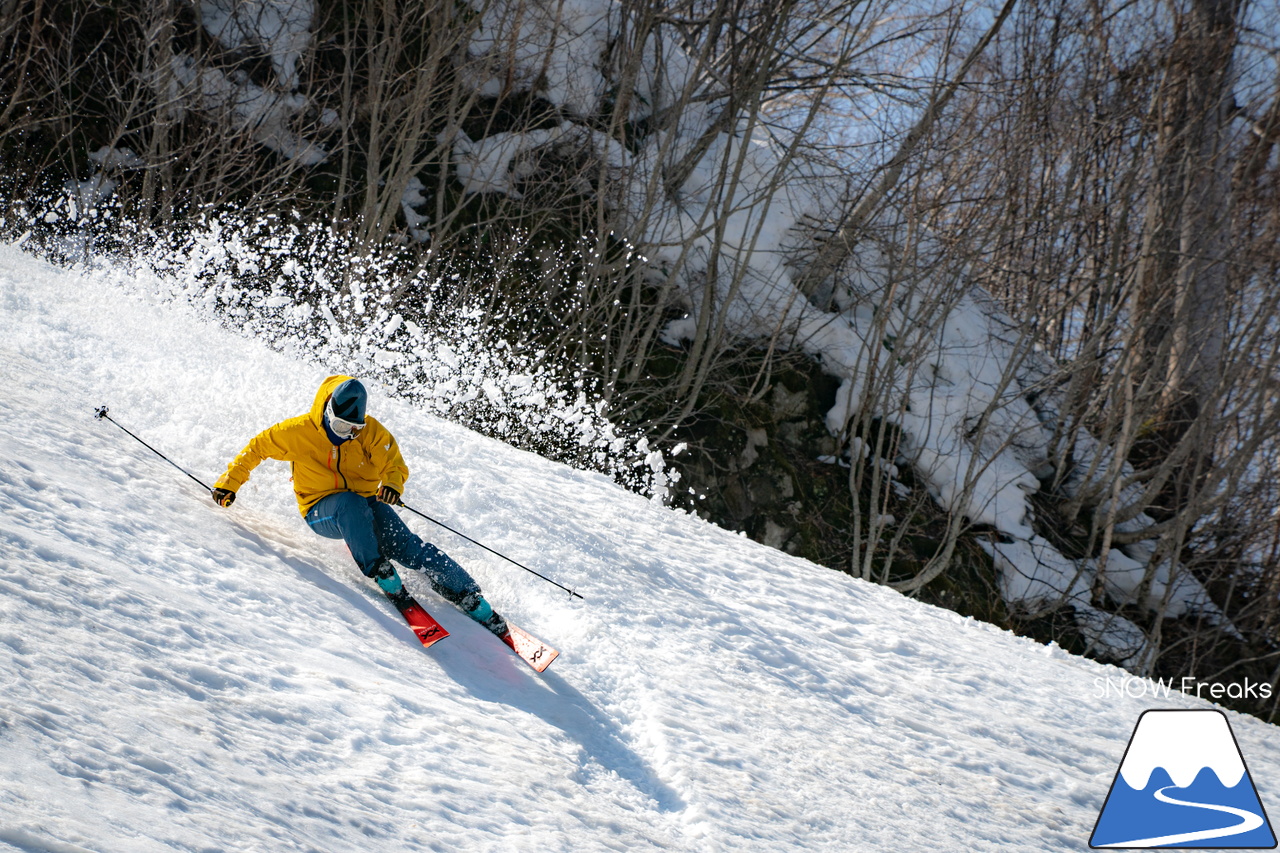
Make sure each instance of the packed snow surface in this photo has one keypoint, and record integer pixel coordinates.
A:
(175, 676)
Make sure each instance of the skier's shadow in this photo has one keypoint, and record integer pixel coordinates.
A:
(481, 664)
(277, 542)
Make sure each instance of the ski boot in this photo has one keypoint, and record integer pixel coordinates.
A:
(474, 605)
(384, 575)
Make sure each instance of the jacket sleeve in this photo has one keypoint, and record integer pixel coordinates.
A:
(265, 445)
(386, 458)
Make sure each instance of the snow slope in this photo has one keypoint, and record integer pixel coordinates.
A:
(174, 676)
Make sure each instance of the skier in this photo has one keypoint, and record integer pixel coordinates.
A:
(347, 474)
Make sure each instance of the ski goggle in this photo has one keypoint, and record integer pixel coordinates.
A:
(341, 428)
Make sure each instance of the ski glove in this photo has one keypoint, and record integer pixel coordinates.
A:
(224, 497)
(388, 495)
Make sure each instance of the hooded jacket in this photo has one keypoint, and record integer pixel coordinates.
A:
(320, 468)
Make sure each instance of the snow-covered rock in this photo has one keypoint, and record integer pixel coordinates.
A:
(929, 352)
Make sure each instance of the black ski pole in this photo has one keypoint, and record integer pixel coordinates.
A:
(101, 414)
(490, 550)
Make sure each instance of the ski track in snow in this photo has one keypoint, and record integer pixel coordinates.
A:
(174, 676)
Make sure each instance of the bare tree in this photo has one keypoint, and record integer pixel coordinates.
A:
(1182, 276)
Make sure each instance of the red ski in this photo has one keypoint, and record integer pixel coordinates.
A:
(424, 625)
(530, 649)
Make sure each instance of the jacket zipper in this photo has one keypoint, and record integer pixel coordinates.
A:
(337, 469)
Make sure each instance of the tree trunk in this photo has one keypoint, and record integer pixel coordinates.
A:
(1182, 276)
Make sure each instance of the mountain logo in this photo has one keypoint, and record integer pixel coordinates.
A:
(1183, 783)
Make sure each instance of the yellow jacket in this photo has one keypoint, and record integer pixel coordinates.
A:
(321, 468)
